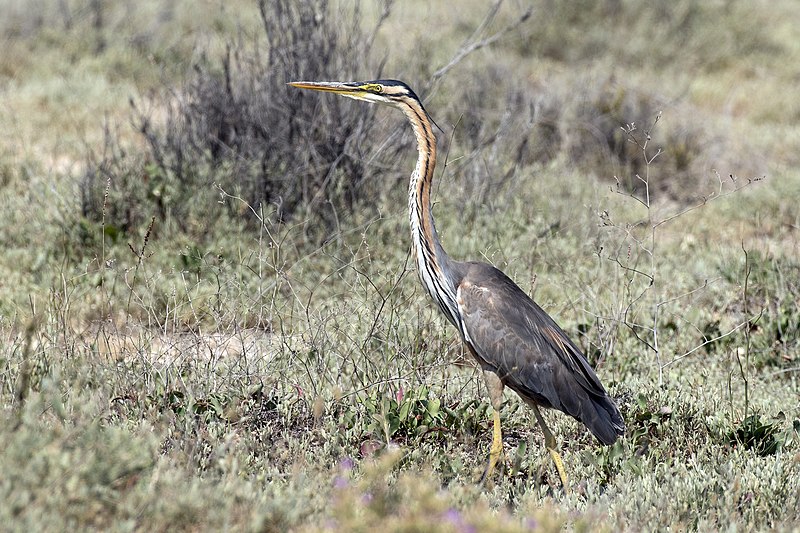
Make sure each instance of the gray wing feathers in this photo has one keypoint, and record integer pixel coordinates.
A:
(515, 338)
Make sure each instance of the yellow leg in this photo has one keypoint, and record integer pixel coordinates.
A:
(495, 387)
(497, 447)
(550, 444)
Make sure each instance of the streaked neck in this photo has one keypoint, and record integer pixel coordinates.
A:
(433, 263)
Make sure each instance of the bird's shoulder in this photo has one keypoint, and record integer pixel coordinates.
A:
(483, 287)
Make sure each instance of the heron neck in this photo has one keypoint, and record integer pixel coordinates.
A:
(424, 236)
(433, 264)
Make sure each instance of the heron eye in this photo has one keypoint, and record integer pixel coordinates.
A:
(378, 88)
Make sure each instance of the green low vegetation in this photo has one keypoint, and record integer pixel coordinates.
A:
(210, 319)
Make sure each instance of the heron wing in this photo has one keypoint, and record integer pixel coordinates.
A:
(512, 336)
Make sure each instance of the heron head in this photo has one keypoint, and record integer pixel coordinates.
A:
(389, 92)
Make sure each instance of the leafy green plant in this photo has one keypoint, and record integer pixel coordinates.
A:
(756, 435)
(650, 423)
(765, 437)
(416, 413)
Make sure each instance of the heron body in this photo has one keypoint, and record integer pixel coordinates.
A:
(514, 341)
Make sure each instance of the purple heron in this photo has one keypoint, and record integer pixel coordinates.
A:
(514, 341)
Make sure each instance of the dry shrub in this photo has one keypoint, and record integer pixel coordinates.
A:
(236, 126)
(586, 121)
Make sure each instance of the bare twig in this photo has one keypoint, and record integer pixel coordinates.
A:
(744, 368)
(474, 42)
(140, 257)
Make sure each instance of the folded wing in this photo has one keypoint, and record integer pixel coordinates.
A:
(512, 336)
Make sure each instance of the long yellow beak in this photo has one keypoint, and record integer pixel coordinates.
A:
(347, 89)
(365, 91)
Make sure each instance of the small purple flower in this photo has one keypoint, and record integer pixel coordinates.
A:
(455, 517)
(340, 482)
(366, 498)
(346, 464)
(531, 523)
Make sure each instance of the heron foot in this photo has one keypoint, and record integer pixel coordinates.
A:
(560, 467)
(550, 444)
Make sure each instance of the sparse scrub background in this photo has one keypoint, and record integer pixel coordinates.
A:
(208, 313)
